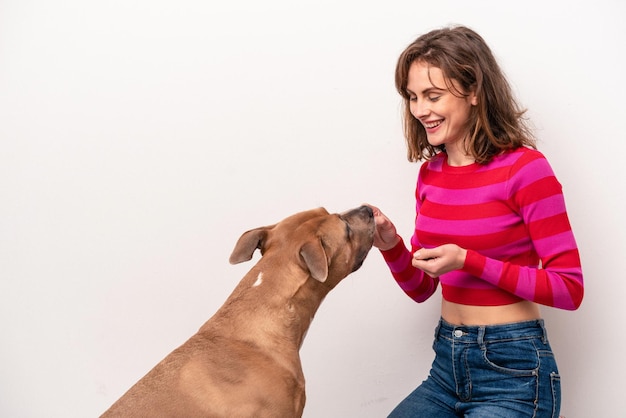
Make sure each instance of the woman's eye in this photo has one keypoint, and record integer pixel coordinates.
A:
(434, 98)
(412, 98)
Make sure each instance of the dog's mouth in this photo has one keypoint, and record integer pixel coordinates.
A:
(363, 250)
(360, 228)
(360, 258)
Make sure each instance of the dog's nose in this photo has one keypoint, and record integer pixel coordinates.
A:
(363, 212)
(368, 210)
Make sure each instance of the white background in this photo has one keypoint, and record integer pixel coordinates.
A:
(139, 139)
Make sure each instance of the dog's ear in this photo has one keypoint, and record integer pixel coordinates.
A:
(315, 258)
(247, 244)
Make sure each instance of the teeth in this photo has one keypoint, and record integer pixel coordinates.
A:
(432, 124)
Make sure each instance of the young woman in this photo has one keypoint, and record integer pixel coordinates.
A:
(491, 227)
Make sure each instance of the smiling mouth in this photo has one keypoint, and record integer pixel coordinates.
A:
(432, 125)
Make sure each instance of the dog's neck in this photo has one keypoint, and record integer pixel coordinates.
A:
(281, 300)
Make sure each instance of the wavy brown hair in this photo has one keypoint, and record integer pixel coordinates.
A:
(495, 124)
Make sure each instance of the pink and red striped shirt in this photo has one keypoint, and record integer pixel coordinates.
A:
(510, 215)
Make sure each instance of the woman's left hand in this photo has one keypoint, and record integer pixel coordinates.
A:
(439, 260)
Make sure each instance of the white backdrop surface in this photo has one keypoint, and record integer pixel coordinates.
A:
(139, 139)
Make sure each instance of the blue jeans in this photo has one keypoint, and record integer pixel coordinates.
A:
(488, 371)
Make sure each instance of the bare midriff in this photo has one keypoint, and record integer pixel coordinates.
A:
(457, 314)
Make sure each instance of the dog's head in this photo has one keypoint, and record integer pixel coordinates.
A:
(328, 246)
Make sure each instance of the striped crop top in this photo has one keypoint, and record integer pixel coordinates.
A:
(510, 215)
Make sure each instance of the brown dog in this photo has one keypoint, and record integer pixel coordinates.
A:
(244, 361)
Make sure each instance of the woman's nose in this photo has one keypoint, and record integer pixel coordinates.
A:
(419, 108)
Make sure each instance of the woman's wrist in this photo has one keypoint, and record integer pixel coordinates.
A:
(462, 258)
(391, 244)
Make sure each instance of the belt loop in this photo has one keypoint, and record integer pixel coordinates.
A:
(481, 336)
(545, 331)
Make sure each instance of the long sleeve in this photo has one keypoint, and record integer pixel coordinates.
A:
(414, 282)
(510, 215)
(537, 196)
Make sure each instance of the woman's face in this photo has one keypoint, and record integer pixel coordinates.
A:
(443, 114)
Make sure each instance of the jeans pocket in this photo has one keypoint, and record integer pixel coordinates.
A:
(514, 357)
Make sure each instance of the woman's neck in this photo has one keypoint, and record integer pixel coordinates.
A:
(458, 156)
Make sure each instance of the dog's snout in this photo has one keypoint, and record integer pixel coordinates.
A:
(364, 212)
(368, 210)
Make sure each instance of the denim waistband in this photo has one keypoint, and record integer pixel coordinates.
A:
(481, 333)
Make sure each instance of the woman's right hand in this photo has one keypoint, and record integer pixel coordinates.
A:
(385, 236)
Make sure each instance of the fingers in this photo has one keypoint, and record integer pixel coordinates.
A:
(431, 266)
(424, 254)
(439, 260)
(382, 222)
(385, 236)
(376, 211)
